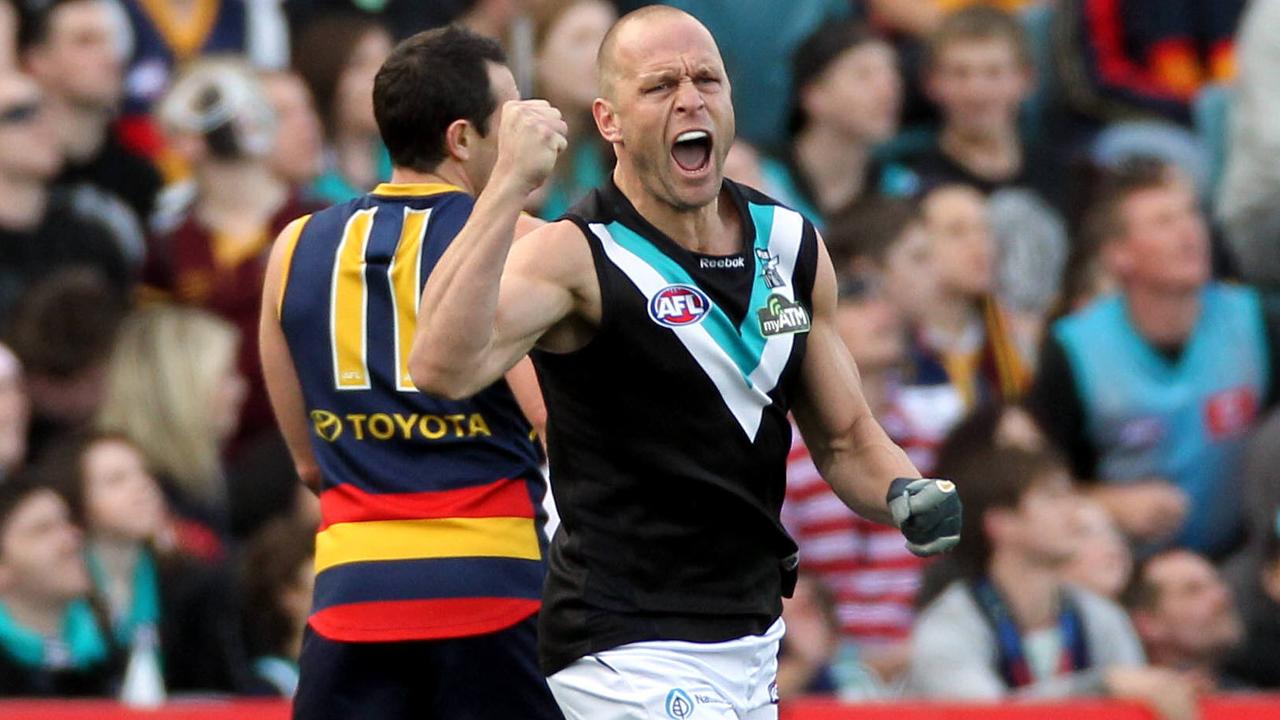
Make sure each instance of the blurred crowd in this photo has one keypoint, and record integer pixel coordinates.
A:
(1056, 230)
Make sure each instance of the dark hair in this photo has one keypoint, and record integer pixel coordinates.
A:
(321, 53)
(815, 54)
(978, 22)
(14, 491)
(988, 475)
(35, 21)
(1104, 221)
(429, 81)
(66, 323)
(61, 467)
(270, 563)
(869, 229)
(1142, 593)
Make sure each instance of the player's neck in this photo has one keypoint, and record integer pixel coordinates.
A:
(25, 200)
(447, 173)
(833, 165)
(1163, 317)
(81, 131)
(712, 229)
(1031, 590)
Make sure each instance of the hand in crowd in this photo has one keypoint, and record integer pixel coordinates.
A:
(1149, 510)
(1173, 695)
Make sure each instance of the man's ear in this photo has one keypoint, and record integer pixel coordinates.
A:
(606, 121)
(458, 139)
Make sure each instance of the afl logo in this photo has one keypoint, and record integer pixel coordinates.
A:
(679, 305)
(328, 426)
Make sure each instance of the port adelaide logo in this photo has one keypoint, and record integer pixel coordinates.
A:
(679, 305)
(780, 316)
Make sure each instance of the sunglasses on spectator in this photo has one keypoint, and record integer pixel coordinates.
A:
(20, 112)
(859, 287)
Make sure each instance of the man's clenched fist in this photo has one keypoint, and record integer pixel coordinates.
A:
(530, 139)
(928, 513)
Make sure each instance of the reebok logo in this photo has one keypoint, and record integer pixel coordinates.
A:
(723, 263)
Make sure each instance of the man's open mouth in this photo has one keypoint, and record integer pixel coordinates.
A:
(692, 150)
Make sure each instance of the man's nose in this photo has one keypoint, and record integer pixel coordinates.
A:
(688, 99)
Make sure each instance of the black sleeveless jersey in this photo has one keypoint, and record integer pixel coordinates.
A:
(668, 432)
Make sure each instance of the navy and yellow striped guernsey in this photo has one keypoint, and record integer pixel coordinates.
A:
(432, 521)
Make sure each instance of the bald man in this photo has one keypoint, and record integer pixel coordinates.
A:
(675, 319)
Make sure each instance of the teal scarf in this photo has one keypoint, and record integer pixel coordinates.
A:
(144, 603)
(80, 646)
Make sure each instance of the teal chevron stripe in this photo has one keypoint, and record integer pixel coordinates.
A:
(745, 354)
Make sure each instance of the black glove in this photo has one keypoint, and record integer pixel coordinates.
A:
(927, 512)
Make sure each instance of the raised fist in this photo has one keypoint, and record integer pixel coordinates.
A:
(531, 137)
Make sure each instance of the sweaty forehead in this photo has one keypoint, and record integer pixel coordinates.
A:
(662, 42)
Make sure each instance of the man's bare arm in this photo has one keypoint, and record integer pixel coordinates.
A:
(867, 470)
(851, 450)
(478, 317)
(277, 364)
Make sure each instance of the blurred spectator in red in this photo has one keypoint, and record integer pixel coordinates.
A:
(1120, 59)
(15, 413)
(173, 615)
(338, 56)
(214, 253)
(297, 154)
(278, 576)
(566, 35)
(52, 642)
(1011, 627)
(1185, 615)
(1248, 201)
(1103, 563)
(873, 576)
(74, 51)
(846, 96)
(63, 331)
(174, 390)
(965, 351)
(39, 230)
(165, 35)
(1152, 392)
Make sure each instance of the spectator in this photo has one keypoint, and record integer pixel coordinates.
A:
(964, 342)
(278, 576)
(1247, 197)
(8, 35)
(566, 35)
(1152, 392)
(51, 641)
(338, 56)
(39, 232)
(814, 659)
(72, 48)
(167, 609)
(213, 255)
(1185, 616)
(15, 414)
(846, 98)
(63, 331)
(169, 34)
(174, 390)
(1011, 627)
(297, 153)
(1103, 562)
(402, 17)
(1127, 58)
(1256, 663)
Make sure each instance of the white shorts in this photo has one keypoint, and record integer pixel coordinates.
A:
(674, 680)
